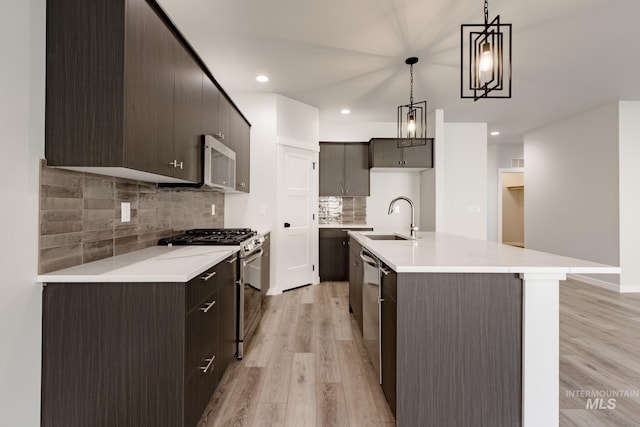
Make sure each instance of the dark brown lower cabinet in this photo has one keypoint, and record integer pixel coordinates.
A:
(458, 348)
(334, 253)
(135, 354)
(388, 335)
(355, 281)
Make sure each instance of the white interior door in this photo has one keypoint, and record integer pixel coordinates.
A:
(297, 215)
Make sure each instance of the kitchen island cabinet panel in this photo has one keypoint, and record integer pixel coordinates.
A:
(388, 335)
(356, 273)
(459, 349)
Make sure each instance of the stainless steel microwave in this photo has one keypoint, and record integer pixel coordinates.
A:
(219, 164)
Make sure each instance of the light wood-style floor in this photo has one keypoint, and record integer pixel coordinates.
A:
(599, 351)
(307, 366)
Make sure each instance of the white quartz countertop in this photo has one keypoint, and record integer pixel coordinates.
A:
(447, 253)
(154, 264)
(344, 226)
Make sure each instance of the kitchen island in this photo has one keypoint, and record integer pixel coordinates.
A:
(469, 330)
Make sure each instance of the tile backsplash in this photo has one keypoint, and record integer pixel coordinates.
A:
(342, 210)
(80, 216)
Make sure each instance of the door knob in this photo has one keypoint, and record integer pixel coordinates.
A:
(287, 225)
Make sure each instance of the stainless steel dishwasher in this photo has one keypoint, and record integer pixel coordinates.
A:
(371, 308)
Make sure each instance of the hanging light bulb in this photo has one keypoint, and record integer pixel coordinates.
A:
(485, 64)
(411, 124)
(486, 59)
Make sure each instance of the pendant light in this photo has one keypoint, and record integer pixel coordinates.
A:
(412, 124)
(485, 59)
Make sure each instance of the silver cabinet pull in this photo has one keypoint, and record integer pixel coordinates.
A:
(208, 276)
(208, 365)
(385, 271)
(174, 163)
(219, 135)
(179, 165)
(207, 307)
(380, 300)
(232, 260)
(242, 184)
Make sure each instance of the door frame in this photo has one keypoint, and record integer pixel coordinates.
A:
(276, 250)
(500, 172)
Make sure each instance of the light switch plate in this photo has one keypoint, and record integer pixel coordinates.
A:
(125, 212)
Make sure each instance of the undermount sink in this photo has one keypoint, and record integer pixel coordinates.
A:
(386, 237)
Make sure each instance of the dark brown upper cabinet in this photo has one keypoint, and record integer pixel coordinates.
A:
(344, 169)
(384, 153)
(125, 92)
(187, 140)
(239, 141)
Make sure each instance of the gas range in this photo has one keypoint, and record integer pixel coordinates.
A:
(249, 271)
(210, 236)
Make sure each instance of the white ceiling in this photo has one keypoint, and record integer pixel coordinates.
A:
(568, 55)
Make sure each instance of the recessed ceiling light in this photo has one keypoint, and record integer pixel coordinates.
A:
(345, 111)
(494, 133)
(262, 78)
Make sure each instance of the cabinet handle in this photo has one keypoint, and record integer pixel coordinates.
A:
(208, 276)
(380, 300)
(180, 165)
(242, 184)
(385, 271)
(232, 260)
(342, 191)
(219, 135)
(399, 162)
(346, 191)
(207, 307)
(404, 162)
(208, 365)
(174, 163)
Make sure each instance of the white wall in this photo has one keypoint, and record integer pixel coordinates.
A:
(498, 156)
(22, 43)
(258, 208)
(463, 190)
(386, 186)
(274, 119)
(571, 181)
(356, 132)
(629, 157)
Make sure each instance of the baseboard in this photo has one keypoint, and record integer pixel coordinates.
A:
(623, 289)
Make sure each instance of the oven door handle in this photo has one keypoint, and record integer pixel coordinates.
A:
(252, 258)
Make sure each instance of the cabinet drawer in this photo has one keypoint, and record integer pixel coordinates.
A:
(200, 286)
(202, 332)
(200, 386)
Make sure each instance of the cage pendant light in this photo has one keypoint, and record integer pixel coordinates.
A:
(412, 124)
(485, 59)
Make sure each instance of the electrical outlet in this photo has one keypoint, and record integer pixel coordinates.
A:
(125, 212)
(213, 209)
(396, 209)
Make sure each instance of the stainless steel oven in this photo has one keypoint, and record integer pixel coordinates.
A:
(249, 290)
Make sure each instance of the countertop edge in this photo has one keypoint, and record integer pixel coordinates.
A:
(77, 274)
